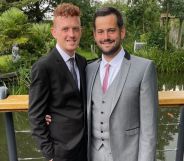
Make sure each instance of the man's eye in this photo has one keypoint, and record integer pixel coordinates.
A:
(100, 31)
(65, 29)
(111, 30)
(76, 29)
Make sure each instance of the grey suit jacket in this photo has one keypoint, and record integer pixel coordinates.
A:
(133, 118)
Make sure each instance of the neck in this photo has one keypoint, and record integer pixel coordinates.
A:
(108, 58)
(70, 53)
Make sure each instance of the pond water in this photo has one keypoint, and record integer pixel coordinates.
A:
(167, 128)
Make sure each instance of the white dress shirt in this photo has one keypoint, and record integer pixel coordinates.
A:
(115, 65)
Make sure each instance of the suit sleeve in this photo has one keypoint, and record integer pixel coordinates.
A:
(148, 114)
(38, 106)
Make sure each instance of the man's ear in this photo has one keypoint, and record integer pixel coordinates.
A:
(94, 34)
(53, 31)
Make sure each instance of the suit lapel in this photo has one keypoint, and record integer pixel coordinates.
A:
(91, 83)
(64, 69)
(125, 66)
(81, 73)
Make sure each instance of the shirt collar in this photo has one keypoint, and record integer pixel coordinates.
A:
(116, 60)
(63, 54)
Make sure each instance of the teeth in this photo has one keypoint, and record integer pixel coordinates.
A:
(107, 42)
(71, 40)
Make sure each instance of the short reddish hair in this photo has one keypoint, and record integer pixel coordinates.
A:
(66, 9)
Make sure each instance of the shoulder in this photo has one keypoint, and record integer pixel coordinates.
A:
(41, 62)
(140, 61)
(81, 60)
(44, 61)
(81, 57)
(92, 65)
(142, 66)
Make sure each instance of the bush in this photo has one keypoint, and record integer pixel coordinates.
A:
(165, 61)
(13, 25)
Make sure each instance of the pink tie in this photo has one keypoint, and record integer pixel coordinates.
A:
(106, 77)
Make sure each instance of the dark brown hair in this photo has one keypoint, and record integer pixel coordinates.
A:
(108, 11)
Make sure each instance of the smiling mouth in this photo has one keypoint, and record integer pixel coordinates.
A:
(106, 42)
(71, 40)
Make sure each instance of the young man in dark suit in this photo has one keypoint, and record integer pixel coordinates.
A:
(58, 88)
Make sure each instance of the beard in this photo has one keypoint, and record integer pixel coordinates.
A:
(113, 50)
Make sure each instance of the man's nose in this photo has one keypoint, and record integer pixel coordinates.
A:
(71, 32)
(106, 35)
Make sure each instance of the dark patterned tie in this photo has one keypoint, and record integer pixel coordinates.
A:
(72, 70)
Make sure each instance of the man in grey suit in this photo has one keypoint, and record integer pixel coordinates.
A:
(122, 97)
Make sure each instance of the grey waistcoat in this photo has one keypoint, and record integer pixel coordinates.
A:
(101, 108)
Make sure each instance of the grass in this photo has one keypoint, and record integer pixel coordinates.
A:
(87, 54)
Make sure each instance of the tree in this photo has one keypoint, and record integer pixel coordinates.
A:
(35, 9)
(177, 9)
(13, 25)
(166, 8)
(7, 4)
(142, 17)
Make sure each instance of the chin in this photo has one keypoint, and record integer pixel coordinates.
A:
(106, 51)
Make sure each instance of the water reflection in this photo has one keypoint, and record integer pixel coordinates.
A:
(167, 133)
(167, 127)
(3, 144)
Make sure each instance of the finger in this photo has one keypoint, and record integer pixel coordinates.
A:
(48, 116)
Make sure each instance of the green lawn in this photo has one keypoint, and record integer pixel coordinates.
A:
(87, 54)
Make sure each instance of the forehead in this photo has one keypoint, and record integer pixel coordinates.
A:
(67, 21)
(104, 22)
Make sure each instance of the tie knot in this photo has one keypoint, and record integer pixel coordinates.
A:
(72, 60)
(72, 69)
(107, 65)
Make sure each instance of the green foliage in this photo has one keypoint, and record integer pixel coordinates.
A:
(13, 24)
(177, 8)
(143, 16)
(88, 55)
(40, 39)
(168, 62)
(34, 40)
(154, 38)
(4, 63)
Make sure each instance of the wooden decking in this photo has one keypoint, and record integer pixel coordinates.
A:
(16, 103)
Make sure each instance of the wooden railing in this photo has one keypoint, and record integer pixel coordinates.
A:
(19, 103)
